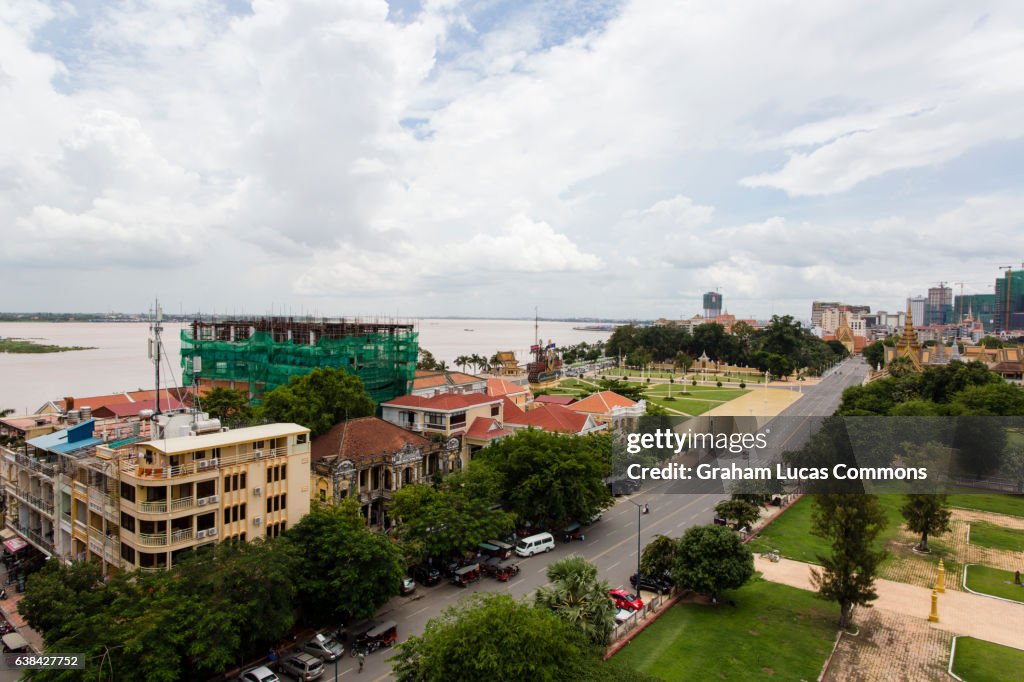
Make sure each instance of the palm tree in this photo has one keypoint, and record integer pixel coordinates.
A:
(462, 361)
(577, 596)
(478, 361)
(6, 412)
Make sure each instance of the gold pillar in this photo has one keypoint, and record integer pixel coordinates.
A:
(940, 586)
(933, 617)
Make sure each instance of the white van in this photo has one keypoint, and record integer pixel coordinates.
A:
(535, 544)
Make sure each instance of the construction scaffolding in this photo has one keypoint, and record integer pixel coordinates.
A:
(258, 355)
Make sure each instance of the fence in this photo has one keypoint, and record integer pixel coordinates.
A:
(637, 617)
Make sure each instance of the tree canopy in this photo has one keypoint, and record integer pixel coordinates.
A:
(711, 559)
(926, 515)
(851, 523)
(319, 400)
(494, 637)
(346, 569)
(551, 478)
(452, 517)
(578, 597)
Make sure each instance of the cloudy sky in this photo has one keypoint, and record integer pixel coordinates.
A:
(483, 157)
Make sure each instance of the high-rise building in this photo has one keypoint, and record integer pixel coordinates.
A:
(712, 305)
(939, 309)
(1009, 313)
(979, 307)
(917, 305)
(819, 307)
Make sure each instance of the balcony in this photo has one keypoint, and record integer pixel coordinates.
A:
(36, 537)
(182, 503)
(182, 535)
(157, 507)
(32, 464)
(142, 470)
(152, 539)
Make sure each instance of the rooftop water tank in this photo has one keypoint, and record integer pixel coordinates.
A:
(206, 426)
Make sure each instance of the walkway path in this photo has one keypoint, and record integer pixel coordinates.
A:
(959, 612)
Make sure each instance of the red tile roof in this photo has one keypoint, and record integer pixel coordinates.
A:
(363, 438)
(443, 402)
(97, 401)
(601, 403)
(121, 410)
(556, 399)
(497, 387)
(511, 410)
(554, 418)
(486, 428)
(431, 378)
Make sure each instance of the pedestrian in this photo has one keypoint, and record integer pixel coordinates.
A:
(361, 656)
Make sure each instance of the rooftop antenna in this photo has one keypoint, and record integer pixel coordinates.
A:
(156, 327)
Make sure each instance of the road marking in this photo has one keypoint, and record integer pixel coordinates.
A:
(613, 565)
(650, 525)
(414, 613)
(680, 524)
(511, 585)
(543, 570)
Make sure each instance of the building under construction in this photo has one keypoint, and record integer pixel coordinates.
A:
(259, 354)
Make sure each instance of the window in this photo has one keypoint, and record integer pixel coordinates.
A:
(241, 485)
(128, 522)
(495, 409)
(127, 492)
(301, 438)
(269, 500)
(459, 418)
(234, 482)
(227, 484)
(284, 500)
(241, 514)
(323, 495)
(284, 472)
(227, 515)
(128, 554)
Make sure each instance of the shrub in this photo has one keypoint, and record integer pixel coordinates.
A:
(718, 383)
(694, 382)
(743, 385)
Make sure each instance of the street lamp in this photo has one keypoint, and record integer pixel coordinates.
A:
(639, 510)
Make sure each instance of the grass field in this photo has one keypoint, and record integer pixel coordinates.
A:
(998, 503)
(997, 537)
(688, 406)
(980, 661)
(994, 581)
(774, 632)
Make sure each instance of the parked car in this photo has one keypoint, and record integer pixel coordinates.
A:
(323, 646)
(625, 600)
(303, 667)
(651, 584)
(622, 615)
(408, 586)
(260, 674)
(426, 575)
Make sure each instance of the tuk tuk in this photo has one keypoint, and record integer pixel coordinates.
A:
(384, 634)
(574, 531)
(504, 549)
(487, 549)
(15, 643)
(490, 566)
(466, 575)
(507, 572)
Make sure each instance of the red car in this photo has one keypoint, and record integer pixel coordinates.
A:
(625, 600)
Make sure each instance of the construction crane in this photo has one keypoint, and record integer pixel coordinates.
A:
(959, 314)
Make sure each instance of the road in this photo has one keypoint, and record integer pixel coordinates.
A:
(611, 544)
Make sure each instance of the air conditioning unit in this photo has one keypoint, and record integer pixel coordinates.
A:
(257, 521)
(214, 499)
(257, 491)
(258, 454)
(201, 501)
(214, 462)
(201, 534)
(202, 464)
(211, 532)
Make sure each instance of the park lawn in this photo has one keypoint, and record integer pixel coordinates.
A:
(791, 534)
(994, 581)
(774, 632)
(997, 537)
(979, 661)
(688, 406)
(998, 503)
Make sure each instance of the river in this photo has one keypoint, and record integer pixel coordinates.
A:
(119, 360)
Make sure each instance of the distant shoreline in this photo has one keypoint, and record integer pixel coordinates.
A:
(57, 318)
(26, 346)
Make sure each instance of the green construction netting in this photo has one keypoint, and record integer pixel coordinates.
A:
(386, 363)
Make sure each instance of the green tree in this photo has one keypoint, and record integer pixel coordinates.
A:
(452, 517)
(319, 400)
(927, 515)
(462, 361)
(493, 637)
(742, 512)
(991, 342)
(874, 354)
(979, 442)
(227, 404)
(632, 391)
(683, 361)
(427, 361)
(659, 556)
(345, 568)
(851, 524)
(710, 559)
(552, 478)
(578, 597)
(639, 357)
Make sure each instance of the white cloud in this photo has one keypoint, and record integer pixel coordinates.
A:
(346, 155)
